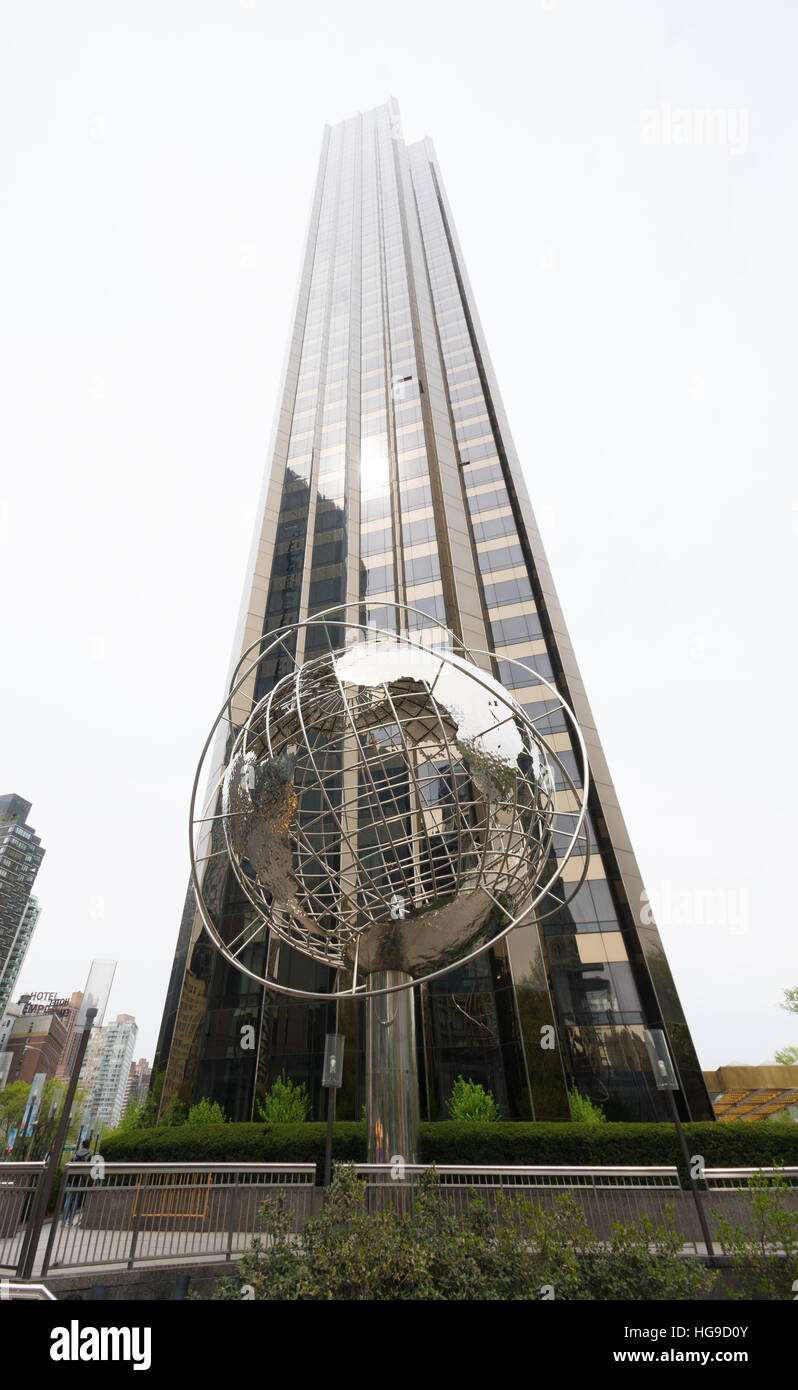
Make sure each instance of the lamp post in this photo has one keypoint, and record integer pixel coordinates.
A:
(92, 1010)
(666, 1080)
(331, 1079)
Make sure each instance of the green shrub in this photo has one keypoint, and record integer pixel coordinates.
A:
(764, 1249)
(438, 1253)
(732, 1145)
(175, 1113)
(583, 1110)
(206, 1113)
(231, 1143)
(470, 1101)
(284, 1103)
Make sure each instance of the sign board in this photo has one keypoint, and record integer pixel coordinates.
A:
(44, 1002)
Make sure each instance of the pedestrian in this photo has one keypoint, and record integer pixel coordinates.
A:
(75, 1198)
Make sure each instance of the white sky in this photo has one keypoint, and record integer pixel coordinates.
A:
(157, 161)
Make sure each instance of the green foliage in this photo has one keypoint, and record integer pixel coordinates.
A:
(583, 1110)
(148, 1111)
(13, 1100)
(49, 1118)
(435, 1252)
(788, 1056)
(763, 1249)
(284, 1103)
(734, 1145)
(470, 1101)
(206, 1113)
(233, 1142)
(139, 1115)
(144, 1114)
(175, 1113)
(130, 1120)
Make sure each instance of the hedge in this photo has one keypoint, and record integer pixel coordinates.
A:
(734, 1145)
(232, 1143)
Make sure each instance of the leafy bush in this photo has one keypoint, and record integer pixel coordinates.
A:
(284, 1103)
(437, 1253)
(470, 1101)
(583, 1110)
(206, 1113)
(175, 1113)
(763, 1250)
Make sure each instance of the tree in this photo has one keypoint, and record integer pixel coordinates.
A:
(49, 1116)
(470, 1101)
(206, 1113)
(789, 1055)
(176, 1112)
(284, 1103)
(12, 1107)
(130, 1120)
(584, 1110)
(148, 1110)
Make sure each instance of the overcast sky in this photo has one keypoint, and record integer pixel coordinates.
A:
(634, 266)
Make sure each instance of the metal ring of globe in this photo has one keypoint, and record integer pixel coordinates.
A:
(331, 875)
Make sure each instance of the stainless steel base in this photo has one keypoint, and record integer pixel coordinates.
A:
(392, 1106)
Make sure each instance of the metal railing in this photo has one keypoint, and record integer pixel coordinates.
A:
(737, 1179)
(26, 1293)
(521, 1175)
(18, 1184)
(158, 1212)
(605, 1193)
(135, 1214)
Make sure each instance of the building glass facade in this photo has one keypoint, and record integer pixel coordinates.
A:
(393, 479)
(21, 853)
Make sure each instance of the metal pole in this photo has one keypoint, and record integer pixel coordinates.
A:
(332, 1092)
(702, 1216)
(45, 1187)
(392, 1103)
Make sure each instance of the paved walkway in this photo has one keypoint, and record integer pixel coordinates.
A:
(76, 1250)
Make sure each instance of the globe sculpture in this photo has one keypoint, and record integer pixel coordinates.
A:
(389, 810)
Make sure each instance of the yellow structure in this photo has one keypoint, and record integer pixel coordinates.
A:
(752, 1093)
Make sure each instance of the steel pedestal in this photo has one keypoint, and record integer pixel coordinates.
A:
(392, 1106)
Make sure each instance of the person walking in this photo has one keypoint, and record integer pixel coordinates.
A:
(75, 1197)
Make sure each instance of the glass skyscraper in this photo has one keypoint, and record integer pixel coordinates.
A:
(21, 854)
(393, 478)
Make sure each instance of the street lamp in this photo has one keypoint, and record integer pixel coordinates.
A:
(331, 1079)
(665, 1079)
(92, 1010)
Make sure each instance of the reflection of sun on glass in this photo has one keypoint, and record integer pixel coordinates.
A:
(373, 464)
